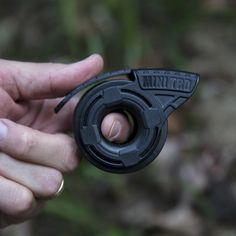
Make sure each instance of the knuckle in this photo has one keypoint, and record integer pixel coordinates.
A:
(4, 110)
(69, 155)
(52, 184)
(22, 202)
(27, 144)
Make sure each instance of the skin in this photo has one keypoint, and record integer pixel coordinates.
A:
(35, 151)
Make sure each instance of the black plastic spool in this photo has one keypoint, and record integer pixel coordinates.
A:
(150, 96)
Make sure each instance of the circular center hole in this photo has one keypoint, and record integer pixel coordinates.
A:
(118, 126)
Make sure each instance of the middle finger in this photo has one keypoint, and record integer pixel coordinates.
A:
(54, 150)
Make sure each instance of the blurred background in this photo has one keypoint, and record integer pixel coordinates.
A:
(190, 189)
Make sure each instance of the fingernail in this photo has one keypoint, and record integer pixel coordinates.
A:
(91, 56)
(94, 55)
(114, 131)
(3, 131)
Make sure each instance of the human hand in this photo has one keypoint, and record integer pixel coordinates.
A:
(34, 152)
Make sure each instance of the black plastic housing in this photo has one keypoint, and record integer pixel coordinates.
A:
(149, 95)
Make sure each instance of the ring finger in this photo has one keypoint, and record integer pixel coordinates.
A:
(44, 182)
(17, 203)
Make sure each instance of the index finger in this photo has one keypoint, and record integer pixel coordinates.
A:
(23, 80)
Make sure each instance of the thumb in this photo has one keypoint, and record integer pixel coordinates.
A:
(116, 128)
